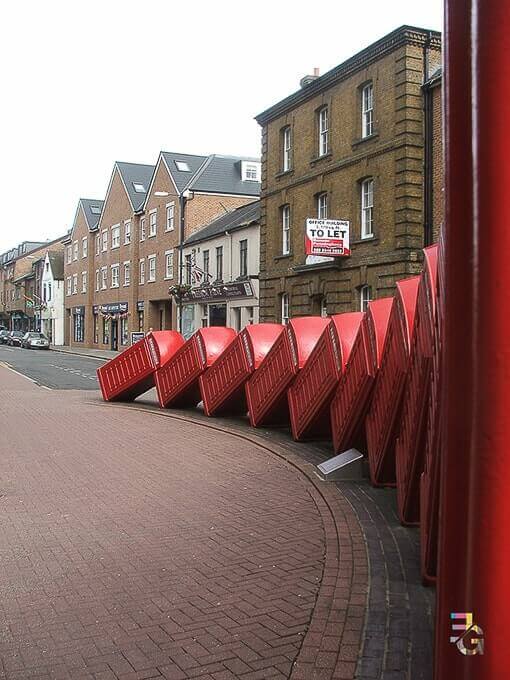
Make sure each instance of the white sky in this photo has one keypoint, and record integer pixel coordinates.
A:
(85, 83)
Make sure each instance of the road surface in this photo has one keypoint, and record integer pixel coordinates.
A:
(55, 370)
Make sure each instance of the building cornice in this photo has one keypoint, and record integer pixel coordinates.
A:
(405, 35)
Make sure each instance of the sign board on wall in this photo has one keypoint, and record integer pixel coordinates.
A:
(135, 337)
(327, 238)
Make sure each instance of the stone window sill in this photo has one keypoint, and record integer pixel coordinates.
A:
(283, 256)
(362, 140)
(285, 173)
(318, 159)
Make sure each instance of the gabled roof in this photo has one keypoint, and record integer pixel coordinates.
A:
(91, 216)
(222, 175)
(182, 178)
(135, 173)
(57, 264)
(235, 219)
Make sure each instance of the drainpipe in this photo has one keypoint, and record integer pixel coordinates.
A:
(427, 166)
(184, 198)
(428, 141)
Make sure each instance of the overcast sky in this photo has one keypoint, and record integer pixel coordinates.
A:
(87, 83)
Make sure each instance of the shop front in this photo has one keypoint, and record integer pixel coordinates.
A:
(231, 304)
(78, 314)
(111, 325)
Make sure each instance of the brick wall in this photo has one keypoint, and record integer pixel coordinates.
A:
(393, 156)
(437, 162)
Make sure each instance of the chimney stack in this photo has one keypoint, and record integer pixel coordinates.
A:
(307, 80)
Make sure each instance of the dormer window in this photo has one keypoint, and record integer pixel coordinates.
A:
(95, 209)
(250, 171)
(139, 188)
(182, 166)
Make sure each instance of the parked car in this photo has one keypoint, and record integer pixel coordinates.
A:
(4, 336)
(34, 340)
(15, 338)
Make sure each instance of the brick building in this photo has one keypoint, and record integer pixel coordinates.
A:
(348, 145)
(221, 270)
(21, 273)
(120, 284)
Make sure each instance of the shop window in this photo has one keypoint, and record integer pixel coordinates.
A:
(124, 336)
(106, 331)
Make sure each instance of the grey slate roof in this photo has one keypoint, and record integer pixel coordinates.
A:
(235, 219)
(91, 218)
(135, 173)
(222, 175)
(57, 264)
(182, 178)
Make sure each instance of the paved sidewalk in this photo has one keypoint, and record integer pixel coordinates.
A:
(137, 543)
(105, 354)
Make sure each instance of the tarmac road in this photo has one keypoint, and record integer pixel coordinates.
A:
(51, 369)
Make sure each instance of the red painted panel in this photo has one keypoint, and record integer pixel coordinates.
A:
(266, 390)
(383, 417)
(352, 397)
(131, 373)
(177, 381)
(311, 392)
(222, 386)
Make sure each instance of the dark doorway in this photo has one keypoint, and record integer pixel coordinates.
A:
(115, 335)
(217, 315)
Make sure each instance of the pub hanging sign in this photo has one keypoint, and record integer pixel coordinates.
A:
(327, 238)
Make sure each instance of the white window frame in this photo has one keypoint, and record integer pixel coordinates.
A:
(141, 271)
(169, 264)
(367, 208)
(75, 283)
(170, 216)
(322, 206)
(247, 264)
(324, 308)
(367, 110)
(287, 148)
(284, 308)
(143, 232)
(127, 232)
(75, 250)
(365, 296)
(151, 268)
(115, 237)
(98, 244)
(69, 254)
(104, 240)
(84, 282)
(286, 229)
(250, 171)
(97, 279)
(114, 272)
(84, 247)
(153, 223)
(323, 130)
(104, 278)
(127, 270)
(68, 289)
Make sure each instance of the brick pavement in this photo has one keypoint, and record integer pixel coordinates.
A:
(186, 551)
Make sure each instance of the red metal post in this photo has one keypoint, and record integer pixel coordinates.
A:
(474, 548)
